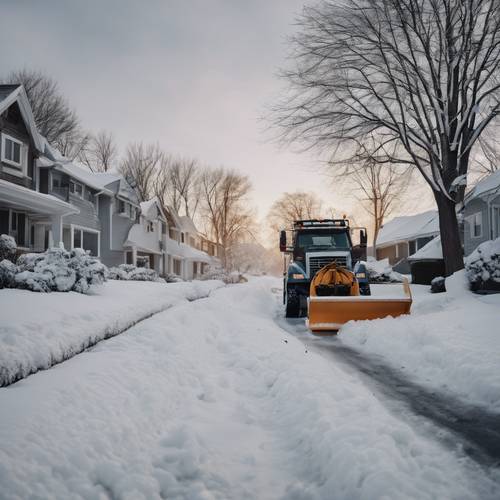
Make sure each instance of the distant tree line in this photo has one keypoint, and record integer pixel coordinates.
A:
(216, 198)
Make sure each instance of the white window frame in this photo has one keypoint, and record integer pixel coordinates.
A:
(74, 227)
(76, 183)
(19, 169)
(472, 223)
(494, 207)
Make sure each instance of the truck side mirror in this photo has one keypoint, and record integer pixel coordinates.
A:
(282, 241)
(363, 239)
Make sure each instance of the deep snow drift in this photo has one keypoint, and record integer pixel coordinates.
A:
(212, 400)
(450, 342)
(37, 330)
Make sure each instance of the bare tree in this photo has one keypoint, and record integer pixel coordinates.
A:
(423, 74)
(73, 145)
(294, 206)
(53, 115)
(140, 168)
(101, 152)
(178, 184)
(379, 186)
(225, 207)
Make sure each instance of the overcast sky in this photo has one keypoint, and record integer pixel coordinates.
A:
(193, 75)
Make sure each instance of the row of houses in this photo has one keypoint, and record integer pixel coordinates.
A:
(408, 239)
(47, 200)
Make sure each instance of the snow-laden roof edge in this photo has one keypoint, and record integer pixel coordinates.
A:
(409, 227)
(430, 251)
(486, 185)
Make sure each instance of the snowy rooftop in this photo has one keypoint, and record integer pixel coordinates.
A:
(486, 185)
(408, 227)
(187, 225)
(430, 251)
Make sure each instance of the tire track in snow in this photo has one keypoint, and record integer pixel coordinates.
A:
(477, 428)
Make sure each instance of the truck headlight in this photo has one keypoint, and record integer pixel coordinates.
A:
(361, 275)
(298, 276)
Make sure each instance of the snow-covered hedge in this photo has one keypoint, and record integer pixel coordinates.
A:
(483, 266)
(380, 271)
(54, 270)
(8, 247)
(129, 272)
(57, 270)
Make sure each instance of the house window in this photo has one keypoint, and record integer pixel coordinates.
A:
(11, 151)
(495, 221)
(89, 195)
(182, 237)
(18, 228)
(150, 227)
(76, 189)
(177, 267)
(88, 240)
(477, 225)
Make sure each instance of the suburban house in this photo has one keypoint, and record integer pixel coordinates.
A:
(403, 236)
(30, 215)
(46, 200)
(481, 212)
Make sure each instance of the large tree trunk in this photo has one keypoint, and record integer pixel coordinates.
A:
(450, 234)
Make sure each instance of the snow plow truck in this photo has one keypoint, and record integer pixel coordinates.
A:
(325, 276)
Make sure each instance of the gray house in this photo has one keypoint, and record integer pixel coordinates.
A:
(33, 217)
(481, 212)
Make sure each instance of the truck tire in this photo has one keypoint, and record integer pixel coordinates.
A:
(292, 304)
(364, 289)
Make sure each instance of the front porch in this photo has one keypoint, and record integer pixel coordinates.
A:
(33, 219)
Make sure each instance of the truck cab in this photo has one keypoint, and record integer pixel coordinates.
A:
(313, 245)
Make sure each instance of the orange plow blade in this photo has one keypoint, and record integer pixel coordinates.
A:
(327, 314)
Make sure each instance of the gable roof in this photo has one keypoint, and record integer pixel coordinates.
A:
(151, 209)
(187, 225)
(409, 227)
(487, 185)
(430, 251)
(9, 94)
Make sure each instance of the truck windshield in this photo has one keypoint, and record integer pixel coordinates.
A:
(322, 240)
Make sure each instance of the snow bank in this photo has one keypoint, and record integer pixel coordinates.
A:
(212, 400)
(450, 341)
(39, 330)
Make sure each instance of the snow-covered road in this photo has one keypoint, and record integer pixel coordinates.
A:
(212, 399)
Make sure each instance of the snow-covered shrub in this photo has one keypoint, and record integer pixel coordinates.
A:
(59, 270)
(172, 278)
(483, 266)
(8, 272)
(229, 278)
(380, 271)
(129, 272)
(8, 247)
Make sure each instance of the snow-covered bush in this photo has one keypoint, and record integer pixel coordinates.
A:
(8, 272)
(229, 278)
(8, 247)
(438, 284)
(380, 271)
(59, 270)
(129, 272)
(172, 278)
(483, 266)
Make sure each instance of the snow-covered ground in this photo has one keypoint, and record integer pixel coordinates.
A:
(450, 342)
(37, 329)
(212, 400)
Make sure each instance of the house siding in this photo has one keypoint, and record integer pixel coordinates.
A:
(476, 205)
(11, 123)
(88, 214)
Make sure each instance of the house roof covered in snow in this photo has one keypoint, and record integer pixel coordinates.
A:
(9, 94)
(430, 251)
(187, 225)
(83, 175)
(487, 185)
(117, 184)
(408, 227)
(151, 209)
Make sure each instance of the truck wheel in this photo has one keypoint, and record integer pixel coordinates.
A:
(364, 289)
(292, 304)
